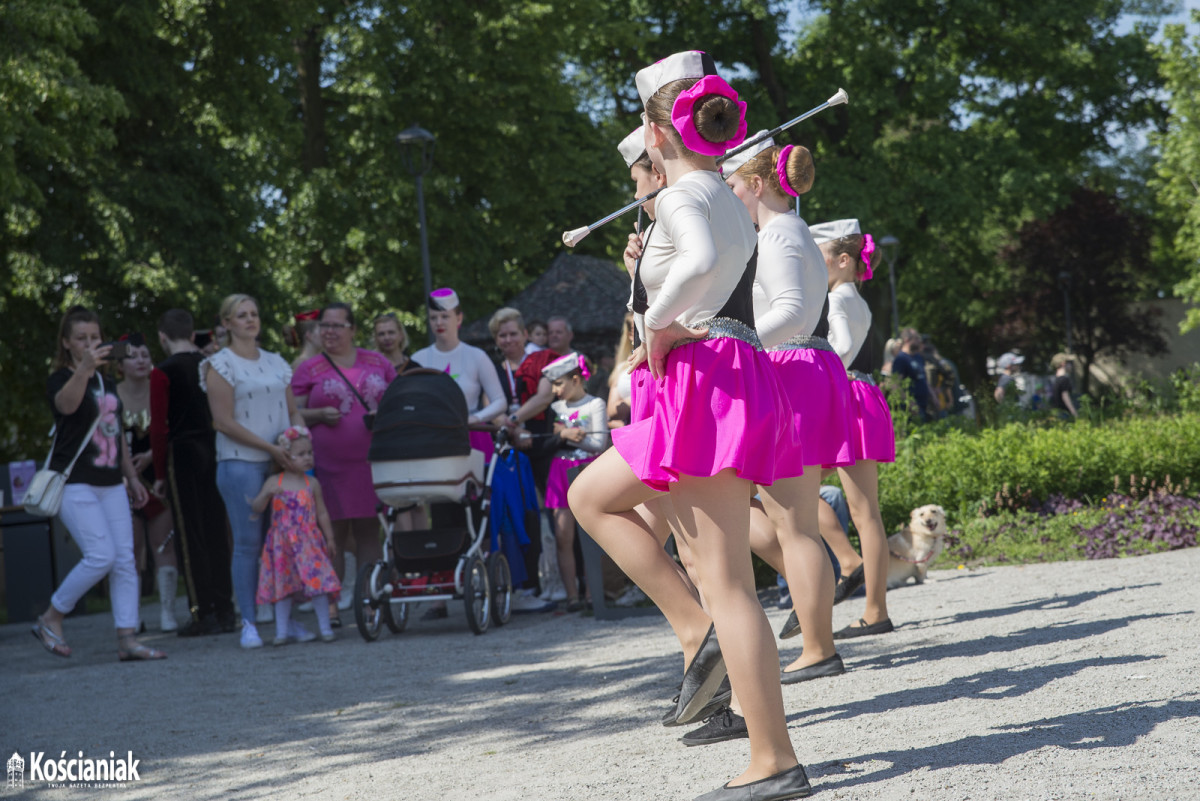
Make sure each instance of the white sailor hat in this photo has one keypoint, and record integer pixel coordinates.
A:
(729, 165)
(688, 64)
(445, 299)
(563, 366)
(829, 231)
(633, 147)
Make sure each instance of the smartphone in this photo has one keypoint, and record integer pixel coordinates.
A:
(120, 350)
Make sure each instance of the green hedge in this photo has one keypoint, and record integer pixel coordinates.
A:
(1019, 464)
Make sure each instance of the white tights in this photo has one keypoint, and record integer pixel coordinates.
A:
(283, 614)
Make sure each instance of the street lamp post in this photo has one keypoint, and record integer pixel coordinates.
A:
(416, 150)
(891, 247)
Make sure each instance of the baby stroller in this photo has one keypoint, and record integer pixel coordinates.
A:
(420, 453)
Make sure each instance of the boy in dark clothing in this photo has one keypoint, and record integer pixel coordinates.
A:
(183, 443)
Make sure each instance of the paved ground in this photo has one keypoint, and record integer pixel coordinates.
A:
(1063, 681)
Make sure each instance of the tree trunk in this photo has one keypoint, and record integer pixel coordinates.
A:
(766, 68)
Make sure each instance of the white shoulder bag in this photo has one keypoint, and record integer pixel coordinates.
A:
(44, 496)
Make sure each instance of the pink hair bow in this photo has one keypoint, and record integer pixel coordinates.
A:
(583, 368)
(681, 116)
(868, 249)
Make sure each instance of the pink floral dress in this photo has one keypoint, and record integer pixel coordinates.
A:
(294, 562)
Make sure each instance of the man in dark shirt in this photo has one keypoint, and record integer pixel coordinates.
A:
(909, 365)
(183, 444)
(1062, 389)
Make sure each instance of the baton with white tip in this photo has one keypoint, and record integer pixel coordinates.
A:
(572, 238)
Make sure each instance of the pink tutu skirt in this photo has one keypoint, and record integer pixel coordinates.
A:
(816, 384)
(642, 391)
(559, 481)
(721, 405)
(874, 437)
(482, 441)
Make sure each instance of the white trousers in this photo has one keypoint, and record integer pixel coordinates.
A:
(102, 526)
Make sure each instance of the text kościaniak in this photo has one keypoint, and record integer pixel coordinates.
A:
(81, 769)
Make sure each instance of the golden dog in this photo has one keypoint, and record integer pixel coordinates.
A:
(917, 546)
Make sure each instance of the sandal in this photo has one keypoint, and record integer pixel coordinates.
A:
(136, 652)
(54, 643)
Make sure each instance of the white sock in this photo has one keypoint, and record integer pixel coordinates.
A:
(321, 607)
(283, 612)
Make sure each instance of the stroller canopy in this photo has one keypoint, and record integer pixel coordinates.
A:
(423, 415)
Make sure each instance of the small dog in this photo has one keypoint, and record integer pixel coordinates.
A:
(917, 546)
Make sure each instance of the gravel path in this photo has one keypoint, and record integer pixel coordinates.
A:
(1061, 681)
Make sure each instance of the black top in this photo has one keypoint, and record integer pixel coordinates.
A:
(740, 305)
(188, 415)
(1062, 383)
(100, 462)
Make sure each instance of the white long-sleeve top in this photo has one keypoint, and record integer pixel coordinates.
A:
(589, 413)
(698, 253)
(849, 321)
(790, 283)
(474, 373)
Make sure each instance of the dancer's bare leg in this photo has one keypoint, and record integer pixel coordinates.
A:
(713, 515)
(791, 504)
(564, 536)
(861, 483)
(602, 498)
(655, 513)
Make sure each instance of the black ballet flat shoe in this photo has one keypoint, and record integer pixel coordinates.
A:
(724, 724)
(720, 699)
(791, 627)
(848, 585)
(826, 667)
(791, 783)
(864, 629)
(701, 679)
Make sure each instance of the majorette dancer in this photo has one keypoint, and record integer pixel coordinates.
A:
(721, 421)
(789, 300)
(848, 257)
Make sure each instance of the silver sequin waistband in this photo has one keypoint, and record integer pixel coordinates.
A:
(805, 342)
(856, 375)
(719, 327)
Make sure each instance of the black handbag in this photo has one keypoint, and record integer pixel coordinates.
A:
(369, 417)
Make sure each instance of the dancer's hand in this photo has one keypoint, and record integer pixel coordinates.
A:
(660, 342)
(636, 357)
(633, 252)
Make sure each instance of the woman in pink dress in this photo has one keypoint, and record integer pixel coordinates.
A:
(335, 390)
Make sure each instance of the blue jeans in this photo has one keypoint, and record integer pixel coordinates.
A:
(238, 482)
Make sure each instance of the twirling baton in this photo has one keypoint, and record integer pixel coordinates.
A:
(573, 238)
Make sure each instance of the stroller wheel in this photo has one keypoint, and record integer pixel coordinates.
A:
(397, 617)
(372, 606)
(501, 580)
(477, 596)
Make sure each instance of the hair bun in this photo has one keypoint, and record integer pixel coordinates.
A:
(717, 118)
(800, 169)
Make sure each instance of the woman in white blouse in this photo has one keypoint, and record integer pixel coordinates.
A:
(250, 396)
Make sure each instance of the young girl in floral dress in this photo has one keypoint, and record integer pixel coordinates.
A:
(295, 558)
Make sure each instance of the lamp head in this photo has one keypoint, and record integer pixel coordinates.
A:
(416, 149)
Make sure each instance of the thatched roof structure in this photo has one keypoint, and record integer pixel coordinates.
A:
(592, 293)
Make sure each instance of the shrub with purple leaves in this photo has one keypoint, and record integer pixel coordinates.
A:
(1159, 522)
(1142, 517)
